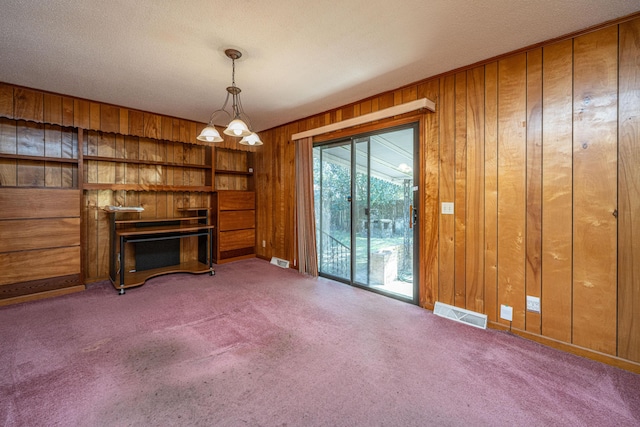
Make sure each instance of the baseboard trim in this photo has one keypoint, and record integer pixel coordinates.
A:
(41, 295)
(608, 359)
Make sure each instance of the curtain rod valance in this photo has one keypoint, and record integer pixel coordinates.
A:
(370, 117)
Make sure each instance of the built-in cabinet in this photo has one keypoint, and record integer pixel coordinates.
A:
(234, 216)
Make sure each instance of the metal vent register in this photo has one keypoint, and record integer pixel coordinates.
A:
(461, 315)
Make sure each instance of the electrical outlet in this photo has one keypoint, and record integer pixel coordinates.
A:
(506, 312)
(264, 243)
(447, 208)
(533, 304)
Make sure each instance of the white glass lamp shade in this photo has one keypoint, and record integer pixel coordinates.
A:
(209, 134)
(237, 128)
(252, 139)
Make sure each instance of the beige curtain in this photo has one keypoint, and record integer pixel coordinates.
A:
(305, 213)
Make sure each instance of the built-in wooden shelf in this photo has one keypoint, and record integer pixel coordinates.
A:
(145, 187)
(146, 162)
(38, 158)
(230, 172)
(137, 221)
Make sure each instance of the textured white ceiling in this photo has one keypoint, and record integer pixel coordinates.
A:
(299, 57)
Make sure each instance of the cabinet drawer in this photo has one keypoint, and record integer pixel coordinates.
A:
(237, 220)
(230, 240)
(236, 200)
(30, 234)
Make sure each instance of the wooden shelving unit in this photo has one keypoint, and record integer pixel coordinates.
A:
(40, 210)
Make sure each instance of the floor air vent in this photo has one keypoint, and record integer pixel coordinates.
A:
(280, 262)
(461, 315)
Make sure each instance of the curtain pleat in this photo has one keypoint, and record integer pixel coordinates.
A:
(305, 213)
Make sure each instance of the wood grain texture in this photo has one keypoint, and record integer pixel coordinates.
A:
(81, 113)
(21, 235)
(446, 257)
(557, 191)
(28, 104)
(67, 111)
(236, 220)
(475, 191)
(29, 265)
(8, 145)
(512, 118)
(94, 116)
(236, 200)
(38, 203)
(629, 193)
(136, 123)
(109, 118)
(460, 190)
(152, 125)
(6, 101)
(491, 192)
(53, 113)
(533, 266)
(595, 171)
(428, 241)
(236, 239)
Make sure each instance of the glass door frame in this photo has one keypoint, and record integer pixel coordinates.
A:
(416, 125)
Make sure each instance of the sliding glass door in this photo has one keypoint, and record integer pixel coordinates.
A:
(365, 203)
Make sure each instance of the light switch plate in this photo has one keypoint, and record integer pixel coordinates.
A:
(506, 312)
(447, 208)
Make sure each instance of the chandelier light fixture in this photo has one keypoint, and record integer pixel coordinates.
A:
(237, 127)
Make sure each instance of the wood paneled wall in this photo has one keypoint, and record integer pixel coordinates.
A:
(540, 151)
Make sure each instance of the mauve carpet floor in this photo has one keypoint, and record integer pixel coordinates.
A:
(261, 346)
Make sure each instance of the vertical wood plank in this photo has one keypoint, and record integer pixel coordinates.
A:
(595, 187)
(30, 138)
(91, 166)
(136, 123)
(167, 128)
(106, 147)
(8, 136)
(460, 189)
(91, 234)
(475, 190)
(8, 145)
(69, 151)
(120, 168)
(109, 118)
(446, 290)
(81, 113)
(28, 104)
(533, 278)
(6, 101)
(94, 116)
(105, 198)
(557, 191)
(53, 109)
(428, 292)
(152, 125)
(124, 121)
(491, 192)
(67, 111)
(629, 193)
(52, 148)
(512, 116)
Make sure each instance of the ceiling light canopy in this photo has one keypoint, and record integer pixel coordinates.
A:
(237, 126)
